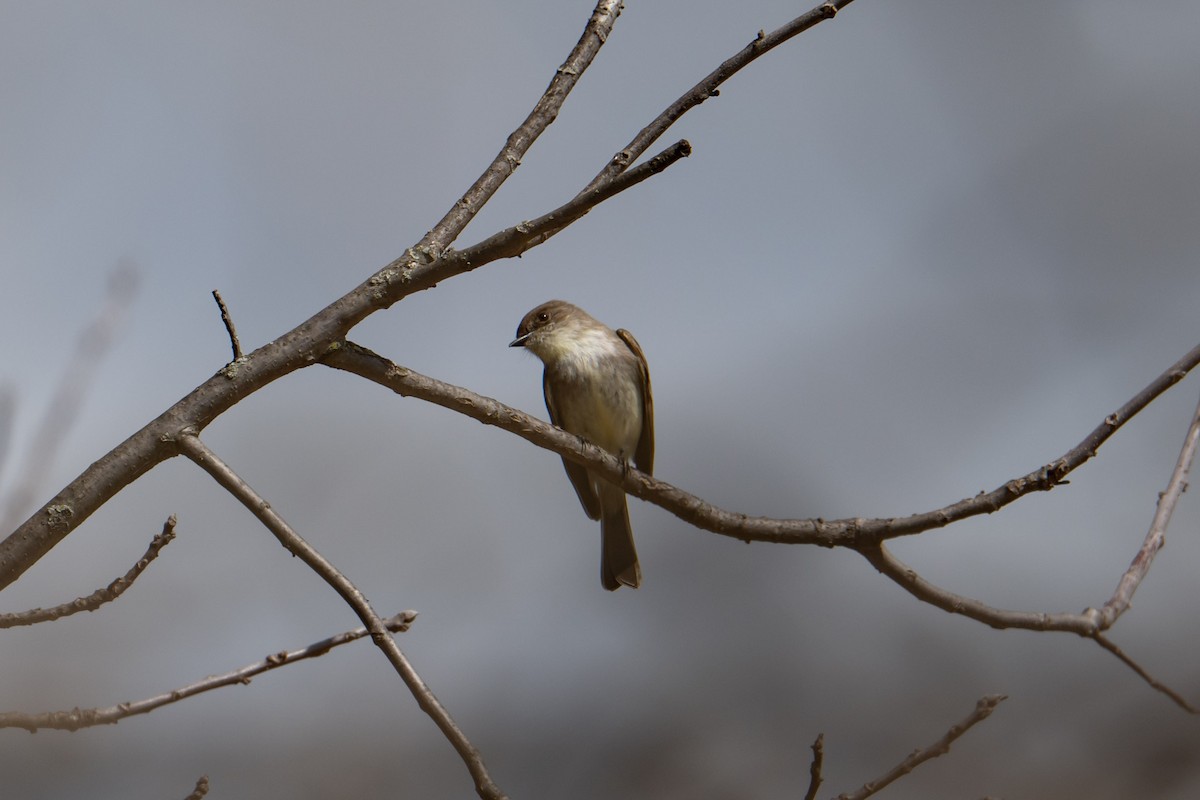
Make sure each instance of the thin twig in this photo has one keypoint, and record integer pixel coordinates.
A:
(78, 718)
(228, 320)
(814, 769)
(983, 709)
(1154, 683)
(1155, 537)
(191, 446)
(706, 88)
(101, 596)
(882, 559)
(201, 789)
(515, 240)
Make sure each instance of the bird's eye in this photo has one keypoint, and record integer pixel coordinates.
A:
(544, 316)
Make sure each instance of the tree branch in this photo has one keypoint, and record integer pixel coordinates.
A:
(858, 533)
(1084, 624)
(100, 596)
(78, 718)
(983, 709)
(191, 446)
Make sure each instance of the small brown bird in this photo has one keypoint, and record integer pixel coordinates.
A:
(597, 386)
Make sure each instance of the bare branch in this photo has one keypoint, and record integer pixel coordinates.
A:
(983, 709)
(201, 789)
(78, 718)
(100, 596)
(595, 34)
(1155, 537)
(1085, 624)
(706, 88)
(814, 769)
(228, 320)
(858, 533)
(206, 459)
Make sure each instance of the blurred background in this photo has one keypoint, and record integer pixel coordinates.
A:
(918, 251)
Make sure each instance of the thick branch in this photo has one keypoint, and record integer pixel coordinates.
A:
(100, 596)
(858, 533)
(198, 452)
(78, 718)
(983, 710)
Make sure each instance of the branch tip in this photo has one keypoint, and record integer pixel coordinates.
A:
(229, 328)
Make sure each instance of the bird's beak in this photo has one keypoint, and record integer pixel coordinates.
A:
(520, 340)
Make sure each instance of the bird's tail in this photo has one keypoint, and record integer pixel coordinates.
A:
(619, 562)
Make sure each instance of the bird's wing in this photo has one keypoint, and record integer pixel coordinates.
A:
(578, 475)
(643, 458)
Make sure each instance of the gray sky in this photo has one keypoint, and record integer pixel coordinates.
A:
(918, 251)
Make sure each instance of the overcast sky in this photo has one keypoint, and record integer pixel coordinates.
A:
(918, 251)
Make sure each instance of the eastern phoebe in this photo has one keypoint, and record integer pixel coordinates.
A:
(597, 386)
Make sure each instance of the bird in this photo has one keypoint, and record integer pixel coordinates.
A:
(597, 386)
